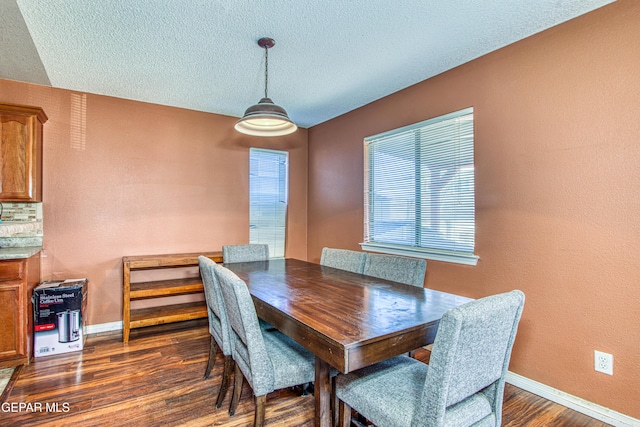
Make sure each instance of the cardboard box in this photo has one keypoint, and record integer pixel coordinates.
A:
(59, 316)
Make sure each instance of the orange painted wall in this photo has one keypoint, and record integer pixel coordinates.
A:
(130, 178)
(557, 155)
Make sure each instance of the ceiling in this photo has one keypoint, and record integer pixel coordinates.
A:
(330, 56)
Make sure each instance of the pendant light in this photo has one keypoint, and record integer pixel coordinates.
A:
(265, 118)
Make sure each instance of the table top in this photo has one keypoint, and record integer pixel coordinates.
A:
(349, 320)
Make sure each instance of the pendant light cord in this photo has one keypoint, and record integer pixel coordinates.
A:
(266, 71)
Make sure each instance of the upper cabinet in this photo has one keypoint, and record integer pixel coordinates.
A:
(21, 153)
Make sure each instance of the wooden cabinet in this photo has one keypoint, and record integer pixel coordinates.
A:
(21, 153)
(18, 277)
(140, 290)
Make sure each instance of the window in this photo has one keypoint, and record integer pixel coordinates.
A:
(419, 190)
(268, 193)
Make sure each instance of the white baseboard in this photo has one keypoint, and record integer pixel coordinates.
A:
(104, 327)
(591, 409)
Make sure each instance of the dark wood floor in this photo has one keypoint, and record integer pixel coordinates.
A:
(157, 380)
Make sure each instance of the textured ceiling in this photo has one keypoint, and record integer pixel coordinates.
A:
(330, 56)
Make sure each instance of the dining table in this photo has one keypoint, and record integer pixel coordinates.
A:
(347, 320)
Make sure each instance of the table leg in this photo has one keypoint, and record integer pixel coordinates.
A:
(322, 393)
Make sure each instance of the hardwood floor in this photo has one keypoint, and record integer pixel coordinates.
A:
(157, 380)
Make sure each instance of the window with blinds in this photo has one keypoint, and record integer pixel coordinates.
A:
(268, 194)
(419, 190)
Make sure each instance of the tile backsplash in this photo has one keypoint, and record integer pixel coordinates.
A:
(21, 213)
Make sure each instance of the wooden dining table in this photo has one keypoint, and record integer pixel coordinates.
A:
(347, 320)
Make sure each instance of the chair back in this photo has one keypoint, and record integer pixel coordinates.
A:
(218, 323)
(343, 259)
(245, 253)
(409, 271)
(248, 347)
(469, 361)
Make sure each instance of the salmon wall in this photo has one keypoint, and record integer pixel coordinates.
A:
(130, 178)
(557, 157)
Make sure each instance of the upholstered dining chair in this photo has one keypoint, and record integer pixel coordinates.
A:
(409, 271)
(218, 326)
(245, 253)
(343, 259)
(463, 384)
(268, 360)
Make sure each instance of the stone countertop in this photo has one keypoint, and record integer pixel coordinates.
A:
(19, 253)
(9, 228)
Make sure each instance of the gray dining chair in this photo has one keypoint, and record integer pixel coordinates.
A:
(245, 253)
(409, 271)
(343, 259)
(463, 384)
(269, 360)
(218, 326)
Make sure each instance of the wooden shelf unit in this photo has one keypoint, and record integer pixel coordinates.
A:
(139, 318)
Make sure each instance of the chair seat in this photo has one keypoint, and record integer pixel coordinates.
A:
(292, 363)
(368, 391)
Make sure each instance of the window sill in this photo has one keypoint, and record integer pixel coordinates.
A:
(421, 253)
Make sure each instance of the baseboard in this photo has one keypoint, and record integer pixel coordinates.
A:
(591, 409)
(104, 327)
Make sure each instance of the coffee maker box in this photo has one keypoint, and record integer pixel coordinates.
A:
(59, 316)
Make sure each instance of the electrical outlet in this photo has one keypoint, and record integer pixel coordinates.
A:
(603, 362)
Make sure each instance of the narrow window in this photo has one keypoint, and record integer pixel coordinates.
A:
(419, 190)
(268, 194)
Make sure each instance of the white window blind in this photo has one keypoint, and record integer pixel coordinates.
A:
(419, 190)
(268, 194)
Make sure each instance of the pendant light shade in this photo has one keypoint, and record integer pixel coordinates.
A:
(265, 118)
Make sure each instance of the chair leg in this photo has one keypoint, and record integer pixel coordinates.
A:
(237, 390)
(213, 349)
(226, 377)
(261, 403)
(345, 415)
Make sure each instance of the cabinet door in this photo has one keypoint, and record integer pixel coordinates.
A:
(21, 153)
(12, 321)
(16, 157)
